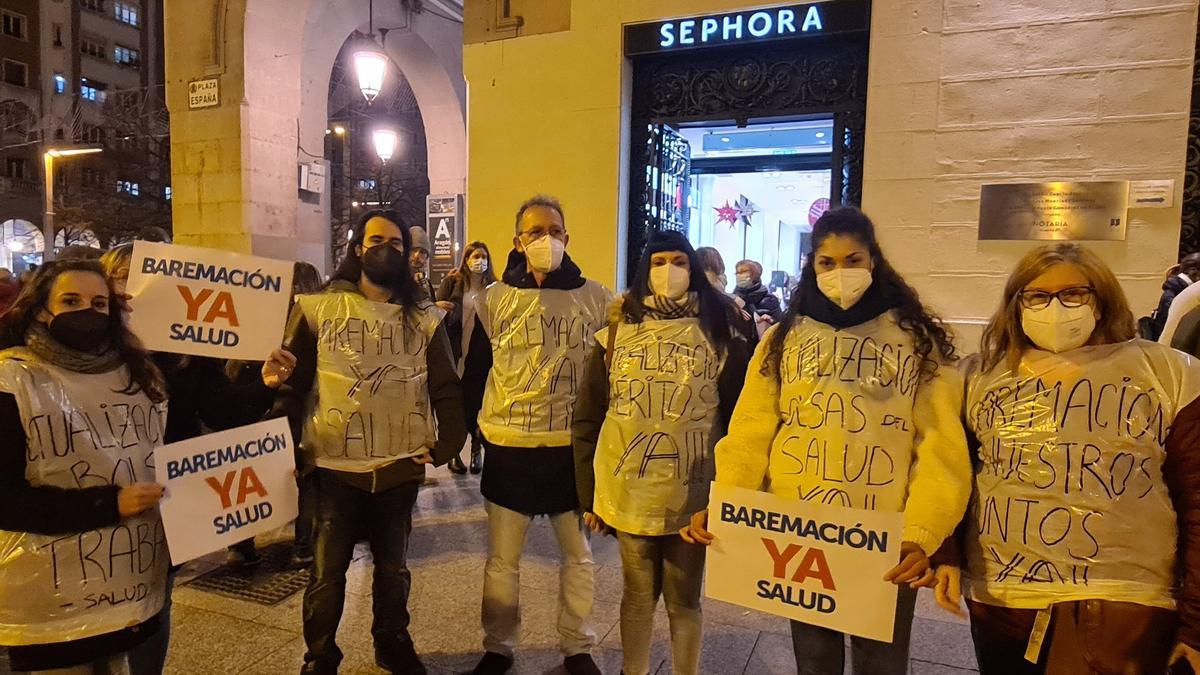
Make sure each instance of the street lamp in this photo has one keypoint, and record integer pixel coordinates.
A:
(370, 63)
(48, 218)
(385, 143)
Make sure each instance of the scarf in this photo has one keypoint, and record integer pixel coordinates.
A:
(45, 347)
(876, 301)
(660, 308)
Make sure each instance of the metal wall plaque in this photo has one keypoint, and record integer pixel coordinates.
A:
(1054, 211)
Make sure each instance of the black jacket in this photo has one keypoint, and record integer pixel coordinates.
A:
(761, 301)
(1172, 287)
(445, 395)
(203, 397)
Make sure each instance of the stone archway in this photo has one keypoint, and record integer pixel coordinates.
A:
(235, 165)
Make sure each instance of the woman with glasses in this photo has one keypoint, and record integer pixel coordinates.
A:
(1080, 552)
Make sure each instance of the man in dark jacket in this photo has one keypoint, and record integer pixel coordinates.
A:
(377, 356)
(541, 318)
(759, 301)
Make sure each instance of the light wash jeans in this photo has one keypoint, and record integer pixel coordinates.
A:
(820, 651)
(670, 567)
(502, 581)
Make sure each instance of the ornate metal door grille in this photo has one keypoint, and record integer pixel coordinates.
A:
(809, 77)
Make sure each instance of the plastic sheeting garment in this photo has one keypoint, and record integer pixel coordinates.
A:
(1070, 501)
(540, 338)
(371, 404)
(67, 587)
(654, 455)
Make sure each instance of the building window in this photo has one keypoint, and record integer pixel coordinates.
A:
(92, 90)
(167, 193)
(130, 188)
(92, 134)
(126, 13)
(367, 184)
(93, 47)
(94, 5)
(16, 73)
(57, 32)
(13, 25)
(60, 83)
(17, 167)
(125, 56)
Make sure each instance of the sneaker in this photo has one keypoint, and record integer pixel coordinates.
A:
(401, 659)
(493, 663)
(581, 664)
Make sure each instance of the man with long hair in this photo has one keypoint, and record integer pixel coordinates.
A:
(376, 356)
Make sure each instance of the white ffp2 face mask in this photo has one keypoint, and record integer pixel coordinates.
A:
(670, 281)
(844, 286)
(477, 265)
(1058, 328)
(545, 254)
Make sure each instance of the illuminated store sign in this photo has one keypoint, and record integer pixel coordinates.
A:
(775, 23)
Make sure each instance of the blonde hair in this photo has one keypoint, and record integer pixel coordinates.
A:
(1004, 339)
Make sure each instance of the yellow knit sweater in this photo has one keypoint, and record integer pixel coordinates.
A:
(849, 422)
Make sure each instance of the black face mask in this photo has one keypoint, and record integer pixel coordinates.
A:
(84, 330)
(383, 264)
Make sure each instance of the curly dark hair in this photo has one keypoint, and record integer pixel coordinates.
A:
(931, 339)
(144, 376)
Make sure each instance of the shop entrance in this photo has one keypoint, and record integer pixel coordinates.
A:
(793, 111)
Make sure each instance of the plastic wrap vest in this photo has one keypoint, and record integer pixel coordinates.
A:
(1070, 502)
(846, 401)
(370, 402)
(81, 432)
(654, 455)
(540, 339)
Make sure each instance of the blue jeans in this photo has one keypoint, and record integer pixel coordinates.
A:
(345, 515)
(820, 651)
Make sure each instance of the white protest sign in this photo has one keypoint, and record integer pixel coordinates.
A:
(208, 303)
(226, 487)
(817, 564)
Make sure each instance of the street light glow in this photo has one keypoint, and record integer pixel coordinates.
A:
(371, 65)
(385, 143)
(339, 130)
(15, 246)
(71, 152)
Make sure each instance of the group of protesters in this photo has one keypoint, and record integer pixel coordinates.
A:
(1053, 478)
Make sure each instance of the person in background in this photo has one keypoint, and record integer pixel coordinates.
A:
(713, 266)
(647, 499)
(759, 301)
(525, 420)
(8, 289)
(1179, 278)
(80, 252)
(367, 477)
(1117, 577)
(154, 233)
(460, 295)
(852, 307)
(67, 352)
(418, 260)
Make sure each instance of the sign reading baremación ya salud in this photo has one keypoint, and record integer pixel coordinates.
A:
(226, 487)
(773, 23)
(817, 564)
(203, 302)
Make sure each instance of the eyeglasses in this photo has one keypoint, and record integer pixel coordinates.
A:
(1077, 296)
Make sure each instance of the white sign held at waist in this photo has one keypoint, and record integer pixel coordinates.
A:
(226, 487)
(812, 563)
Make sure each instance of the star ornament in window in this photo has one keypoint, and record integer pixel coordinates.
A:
(745, 209)
(727, 214)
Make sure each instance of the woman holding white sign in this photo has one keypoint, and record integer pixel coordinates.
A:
(851, 401)
(372, 370)
(82, 409)
(642, 467)
(1080, 549)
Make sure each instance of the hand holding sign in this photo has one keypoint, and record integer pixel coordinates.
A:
(697, 531)
(136, 498)
(913, 569)
(278, 368)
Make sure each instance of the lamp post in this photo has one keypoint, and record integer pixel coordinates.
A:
(48, 217)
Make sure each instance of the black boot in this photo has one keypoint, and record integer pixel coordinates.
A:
(456, 466)
(476, 456)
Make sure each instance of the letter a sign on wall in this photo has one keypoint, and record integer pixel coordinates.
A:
(813, 563)
(207, 303)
